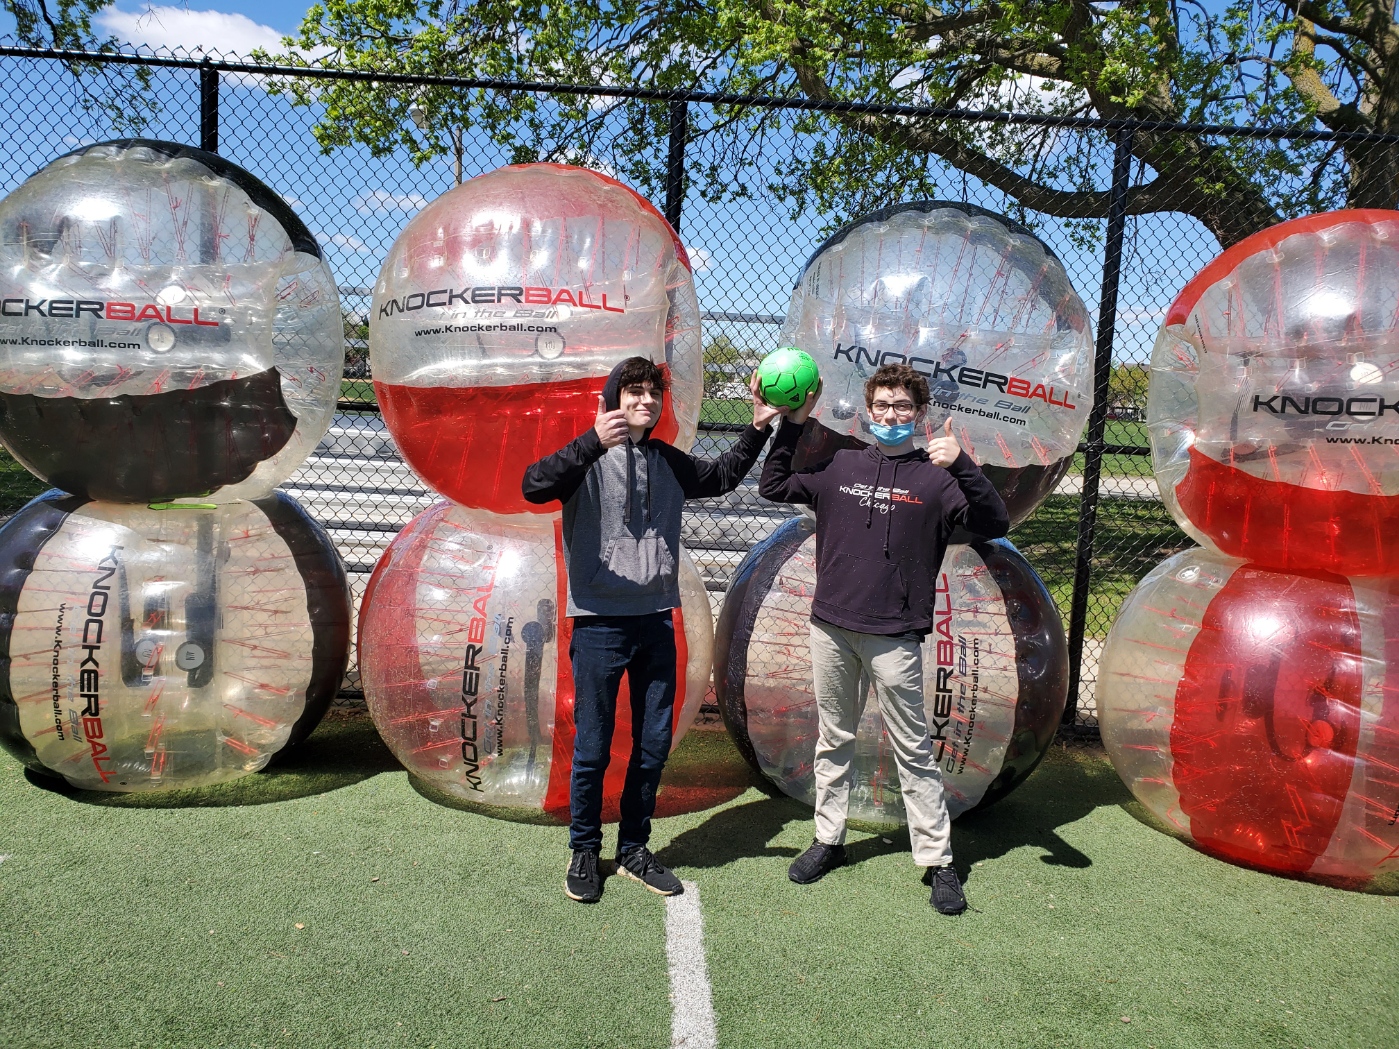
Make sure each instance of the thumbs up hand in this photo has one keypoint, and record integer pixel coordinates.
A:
(610, 427)
(944, 449)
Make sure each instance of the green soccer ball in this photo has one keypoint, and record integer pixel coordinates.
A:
(786, 376)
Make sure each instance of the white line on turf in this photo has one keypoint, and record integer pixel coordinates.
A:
(692, 1009)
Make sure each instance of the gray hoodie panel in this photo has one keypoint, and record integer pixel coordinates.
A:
(621, 533)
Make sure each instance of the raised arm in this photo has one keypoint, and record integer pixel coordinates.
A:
(558, 476)
(984, 513)
(705, 478)
(779, 481)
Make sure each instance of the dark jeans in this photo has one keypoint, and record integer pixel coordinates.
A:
(602, 648)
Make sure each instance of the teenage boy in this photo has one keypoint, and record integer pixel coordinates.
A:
(883, 517)
(622, 492)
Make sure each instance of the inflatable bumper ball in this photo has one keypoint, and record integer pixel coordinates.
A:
(978, 304)
(170, 332)
(168, 327)
(995, 676)
(1274, 406)
(463, 648)
(1257, 713)
(156, 649)
(501, 309)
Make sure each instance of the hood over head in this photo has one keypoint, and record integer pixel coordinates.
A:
(612, 394)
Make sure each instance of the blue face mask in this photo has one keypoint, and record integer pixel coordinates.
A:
(892, 435)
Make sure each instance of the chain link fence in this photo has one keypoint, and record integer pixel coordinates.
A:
(1091, 541)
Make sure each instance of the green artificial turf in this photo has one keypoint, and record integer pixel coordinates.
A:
(357, 390)
(173, 921)
(1133, 536)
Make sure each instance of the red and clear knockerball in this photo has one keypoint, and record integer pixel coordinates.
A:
(995, 676)
(502, 307)
(1274, 404)
(1257, 713)
(463, 649)
(154, 649)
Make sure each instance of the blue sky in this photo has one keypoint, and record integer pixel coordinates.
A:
(748, 254)
(229, 27)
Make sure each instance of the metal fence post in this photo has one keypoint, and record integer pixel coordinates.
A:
(208, 107)
(1097, 419)
(675, 166)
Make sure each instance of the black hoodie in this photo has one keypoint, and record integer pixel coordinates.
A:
(621, 512)
(882, 524)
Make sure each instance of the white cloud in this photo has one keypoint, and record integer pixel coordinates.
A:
(344, 240)
(699, 258)
(574, 155)
(384, 200)
(186, 31)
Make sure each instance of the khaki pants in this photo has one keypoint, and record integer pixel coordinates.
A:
(895, 668)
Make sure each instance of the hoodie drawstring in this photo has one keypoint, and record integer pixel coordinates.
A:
(889, 517)
(879, 465)
(631, 482)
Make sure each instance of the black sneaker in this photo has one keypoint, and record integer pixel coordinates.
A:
(639, 865)
(816, 862)
(947, 891)
(582, 882)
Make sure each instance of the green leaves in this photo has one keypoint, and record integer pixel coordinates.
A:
(1150, 59)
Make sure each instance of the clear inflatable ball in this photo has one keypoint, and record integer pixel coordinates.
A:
(995, 676)
(150, 650)
(168, 327)
(1257, 713)
(1274, 404)
(463, 649)
(982, 308)
(502, 307)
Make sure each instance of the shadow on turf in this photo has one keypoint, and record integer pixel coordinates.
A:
(343, 750)
(1065, 788)
(1068, 785)
(736, 833)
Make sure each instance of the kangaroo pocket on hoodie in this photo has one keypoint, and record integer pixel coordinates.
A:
(632, 565)
(866, 586)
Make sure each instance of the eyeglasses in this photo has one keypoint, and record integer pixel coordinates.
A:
(898, 407)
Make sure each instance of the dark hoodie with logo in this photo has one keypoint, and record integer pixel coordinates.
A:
(882, 525)
(621, 512)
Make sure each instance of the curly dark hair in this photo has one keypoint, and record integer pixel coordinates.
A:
(638, 370)
(893, 376)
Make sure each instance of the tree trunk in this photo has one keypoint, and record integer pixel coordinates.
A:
(1374, 175)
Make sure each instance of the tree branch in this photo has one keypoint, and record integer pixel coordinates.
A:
(1232, 214)
(1307, 82)
(1072, 204)
(1029, 63)
(919, 28)
(1316, 14)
